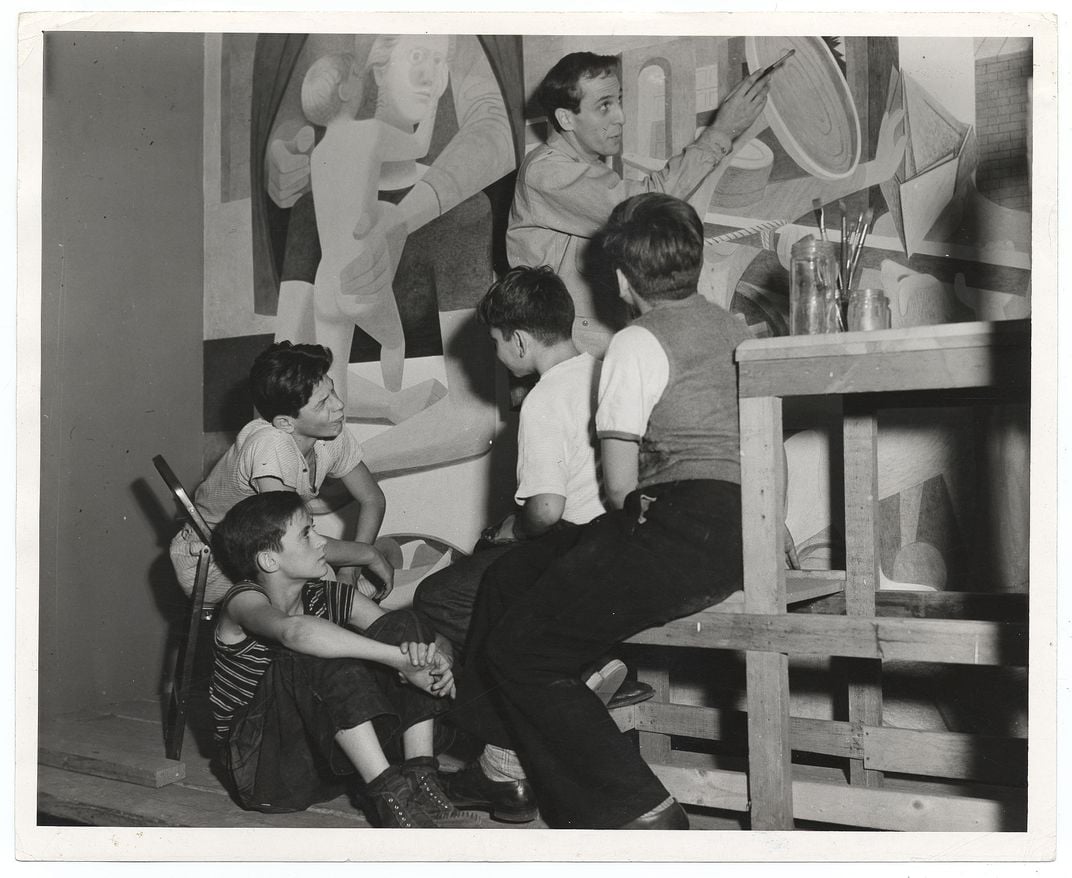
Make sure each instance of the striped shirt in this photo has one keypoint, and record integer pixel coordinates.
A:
(239, 667)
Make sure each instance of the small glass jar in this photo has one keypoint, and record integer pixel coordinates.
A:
(868, 309)
(813, 296)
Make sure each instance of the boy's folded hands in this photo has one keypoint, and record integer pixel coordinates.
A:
(428, 668)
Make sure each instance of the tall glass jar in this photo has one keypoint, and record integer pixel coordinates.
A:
(813, 296)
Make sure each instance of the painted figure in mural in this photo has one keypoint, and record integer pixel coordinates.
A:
(440, 213)
(565, 192)
(345, 174)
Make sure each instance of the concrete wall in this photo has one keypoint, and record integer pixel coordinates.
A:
(121, 337)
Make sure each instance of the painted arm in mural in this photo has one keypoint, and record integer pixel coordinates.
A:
(462, 423)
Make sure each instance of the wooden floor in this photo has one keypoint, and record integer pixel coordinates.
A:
(107, 768)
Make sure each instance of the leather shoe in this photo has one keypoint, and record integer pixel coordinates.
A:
(510, 801)
(672, 817)
(630, 692)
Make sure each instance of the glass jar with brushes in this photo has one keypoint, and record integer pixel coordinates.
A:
(814, 304)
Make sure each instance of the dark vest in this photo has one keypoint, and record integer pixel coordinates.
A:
(693, 429)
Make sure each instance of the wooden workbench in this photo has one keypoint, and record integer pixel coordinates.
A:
(964, 362)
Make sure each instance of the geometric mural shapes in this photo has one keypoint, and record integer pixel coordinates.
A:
(923, 198)
(933, 134)
(809, 106)
(939, 158)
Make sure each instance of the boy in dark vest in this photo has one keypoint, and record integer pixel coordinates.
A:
(670, 546)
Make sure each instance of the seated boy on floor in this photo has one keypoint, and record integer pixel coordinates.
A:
(299, 440)
(312, 681)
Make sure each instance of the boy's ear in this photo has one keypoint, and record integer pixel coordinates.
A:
(521, 342)
(267, 562)
(284, 423)
(628, 295)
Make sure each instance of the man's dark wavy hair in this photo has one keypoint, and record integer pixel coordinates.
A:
(561, 87)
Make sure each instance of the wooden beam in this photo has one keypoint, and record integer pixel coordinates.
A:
(947, 754)
(864, 676)
(930, 605)
(104, 747)
(922, 358)
(766, 673)
(906, 806)
(955, 641)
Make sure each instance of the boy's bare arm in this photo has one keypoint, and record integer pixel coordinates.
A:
(312, 635)
(538, 514)
(621, 470)
(364, 488)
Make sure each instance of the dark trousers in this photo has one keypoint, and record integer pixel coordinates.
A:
(550, 607)
(447, 597)
(282, 754)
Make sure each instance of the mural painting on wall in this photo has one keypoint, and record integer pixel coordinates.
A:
(379, 169)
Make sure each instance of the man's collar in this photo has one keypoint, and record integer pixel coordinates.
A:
(558, 141)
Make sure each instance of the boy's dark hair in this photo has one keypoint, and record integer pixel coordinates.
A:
(284, 376)
(657, 241)
(532, 299)
(254, 524)
(561, 87)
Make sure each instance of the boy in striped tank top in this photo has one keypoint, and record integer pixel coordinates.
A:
(314, 682)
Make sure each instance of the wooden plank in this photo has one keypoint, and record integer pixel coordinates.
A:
(881, 372)
(956, 641)
(864, 676)
(900, 805)
(800, 586)
(831, 738)
(932, 605)
(109, 747)
(979, 335)
(906, 811)
(101, 802)
(767, 674)
(655, 747)
(947, 754)
(727, 790)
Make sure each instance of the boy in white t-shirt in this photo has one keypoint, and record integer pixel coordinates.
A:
(529, 314)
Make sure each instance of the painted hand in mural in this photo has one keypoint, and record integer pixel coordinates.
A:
(288, 167)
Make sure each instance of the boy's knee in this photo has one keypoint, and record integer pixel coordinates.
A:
(400, 626)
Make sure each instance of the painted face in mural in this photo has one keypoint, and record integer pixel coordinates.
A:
(596, 129)
(413, 79)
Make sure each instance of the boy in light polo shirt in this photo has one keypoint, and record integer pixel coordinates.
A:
(299, 440)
